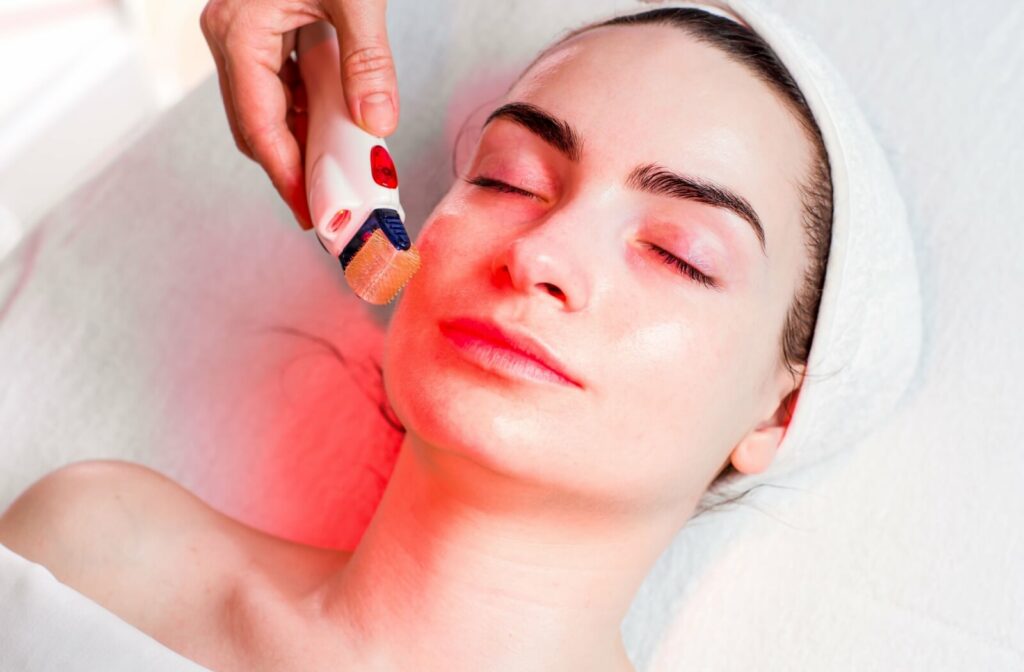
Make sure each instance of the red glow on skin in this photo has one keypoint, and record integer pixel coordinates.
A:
(269, 426)
(492, 356)
(790, 411)
(694, 232)
(516, 168)
(697, 245)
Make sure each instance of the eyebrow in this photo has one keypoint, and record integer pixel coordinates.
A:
(649, 178)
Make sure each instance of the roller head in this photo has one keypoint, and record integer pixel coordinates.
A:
(378, 271)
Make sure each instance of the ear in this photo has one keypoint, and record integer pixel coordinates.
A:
(757, 449)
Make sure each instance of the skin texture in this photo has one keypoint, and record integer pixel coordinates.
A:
(522, 515)
(251, 42)
(684, 375)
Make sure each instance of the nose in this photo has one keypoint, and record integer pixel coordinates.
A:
(548, 262)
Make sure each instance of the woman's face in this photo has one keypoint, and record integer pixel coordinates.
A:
(675, 370)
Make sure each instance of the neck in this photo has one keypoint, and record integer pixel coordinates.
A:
(464, 569)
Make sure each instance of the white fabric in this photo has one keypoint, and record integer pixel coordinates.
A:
(44, 626)
(129, 327)
(867, 337)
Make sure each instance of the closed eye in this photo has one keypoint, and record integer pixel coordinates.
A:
(683, 267)
(497, 185)
(671, 259)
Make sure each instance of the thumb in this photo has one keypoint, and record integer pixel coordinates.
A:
(367, 67)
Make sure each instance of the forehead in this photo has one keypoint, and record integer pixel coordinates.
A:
(639, 94)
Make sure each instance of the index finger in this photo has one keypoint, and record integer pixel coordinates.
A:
(260, 106)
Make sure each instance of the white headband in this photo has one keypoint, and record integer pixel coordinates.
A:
(867, 338)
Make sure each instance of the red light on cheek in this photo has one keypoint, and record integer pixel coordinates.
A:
(383, 168)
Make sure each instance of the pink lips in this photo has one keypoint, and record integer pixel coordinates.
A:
(505, 350)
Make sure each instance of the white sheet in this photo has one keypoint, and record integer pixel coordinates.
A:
(44, 627)
(132, 336)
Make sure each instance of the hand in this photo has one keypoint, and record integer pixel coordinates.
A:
(252, 43)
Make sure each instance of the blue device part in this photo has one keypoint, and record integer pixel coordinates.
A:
(391, 225)
(388, 222)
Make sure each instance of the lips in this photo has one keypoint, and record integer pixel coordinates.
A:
(468, 330)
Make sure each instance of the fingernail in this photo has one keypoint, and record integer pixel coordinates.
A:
(378, 112)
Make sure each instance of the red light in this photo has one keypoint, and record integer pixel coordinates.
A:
(339, 220)
(383, 168)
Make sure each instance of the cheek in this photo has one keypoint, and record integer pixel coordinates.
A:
(453, 257)
(663, 407)
(455, 249)
(654, 380)
(435, 394)
(420, 305)
(675, 390)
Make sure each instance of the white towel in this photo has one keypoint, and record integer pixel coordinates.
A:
(868, 335)
(45, 627)
(867, 339)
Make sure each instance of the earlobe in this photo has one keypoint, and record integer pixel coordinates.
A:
(755, 452)
(757, 449)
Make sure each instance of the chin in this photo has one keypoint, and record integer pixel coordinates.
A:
(510, 426)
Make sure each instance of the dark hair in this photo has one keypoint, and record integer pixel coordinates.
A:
(748, 48)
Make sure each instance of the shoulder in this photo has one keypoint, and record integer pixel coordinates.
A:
(89, 504)
(110, 529)
(61, 500)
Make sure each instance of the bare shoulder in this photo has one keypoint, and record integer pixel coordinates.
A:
(144, 547)
(95, 506)
(112, 530)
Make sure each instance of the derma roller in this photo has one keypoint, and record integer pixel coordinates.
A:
(351, 182)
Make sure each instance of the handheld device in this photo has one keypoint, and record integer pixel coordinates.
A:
(351, 181)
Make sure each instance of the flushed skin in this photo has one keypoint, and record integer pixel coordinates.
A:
(679, 376)
(523, 513)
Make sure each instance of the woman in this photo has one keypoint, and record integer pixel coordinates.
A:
(646, 215)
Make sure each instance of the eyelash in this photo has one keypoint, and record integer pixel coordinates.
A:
(496, 185)
(671, 259)
(684, 267)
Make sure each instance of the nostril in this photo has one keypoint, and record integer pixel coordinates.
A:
(554, 290)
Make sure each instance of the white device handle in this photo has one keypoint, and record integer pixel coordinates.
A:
(340, 156)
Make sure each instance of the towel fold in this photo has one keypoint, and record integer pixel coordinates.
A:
(864, 354)
(47, 627)
(868, 335)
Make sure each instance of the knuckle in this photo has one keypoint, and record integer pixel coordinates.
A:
(242, 146)
(215, 17)
(369, 63)
(260, 136)
(247, 29)
(234, 37)
(250, 133)
(255, 129)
